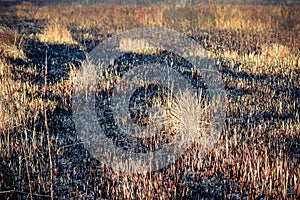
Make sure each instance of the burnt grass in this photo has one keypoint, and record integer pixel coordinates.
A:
(78, 175)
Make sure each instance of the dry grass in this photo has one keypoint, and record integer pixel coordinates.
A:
(136, 46)
(273, 59)
(22, 105)
(22, 100)
(257, 154)
(13, 98)
(57, 34)
(189, 19)
(11, 43)
(276, 51)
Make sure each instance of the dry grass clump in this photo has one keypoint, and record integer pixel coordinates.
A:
(275, 51)
(192, 116)
(20, 100)
(10, 43)
(56, 33)
(5, 82)
(84, 81)
(272, 59)
(137, 46)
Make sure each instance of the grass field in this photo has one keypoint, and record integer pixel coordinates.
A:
(257, 50)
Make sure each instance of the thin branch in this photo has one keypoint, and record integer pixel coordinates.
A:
(47, 130)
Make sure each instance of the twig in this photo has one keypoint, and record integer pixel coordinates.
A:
(7, 191)
(66, 146)
(26, 165)
(26, 193)
(47, 131)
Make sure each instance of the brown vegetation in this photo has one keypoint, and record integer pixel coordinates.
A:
(56, 33)
(257, 156)
(11, 42)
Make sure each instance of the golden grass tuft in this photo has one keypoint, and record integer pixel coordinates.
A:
(13, 98)
(10, 43)
(57, 34)
(137, 46)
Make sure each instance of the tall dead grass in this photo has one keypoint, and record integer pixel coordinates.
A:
(56, 33)
(254, 159)
(10, 43)
(187, 18)
(22, 106)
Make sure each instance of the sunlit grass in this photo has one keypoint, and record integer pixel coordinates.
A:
(57, 34)
(255, 155)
